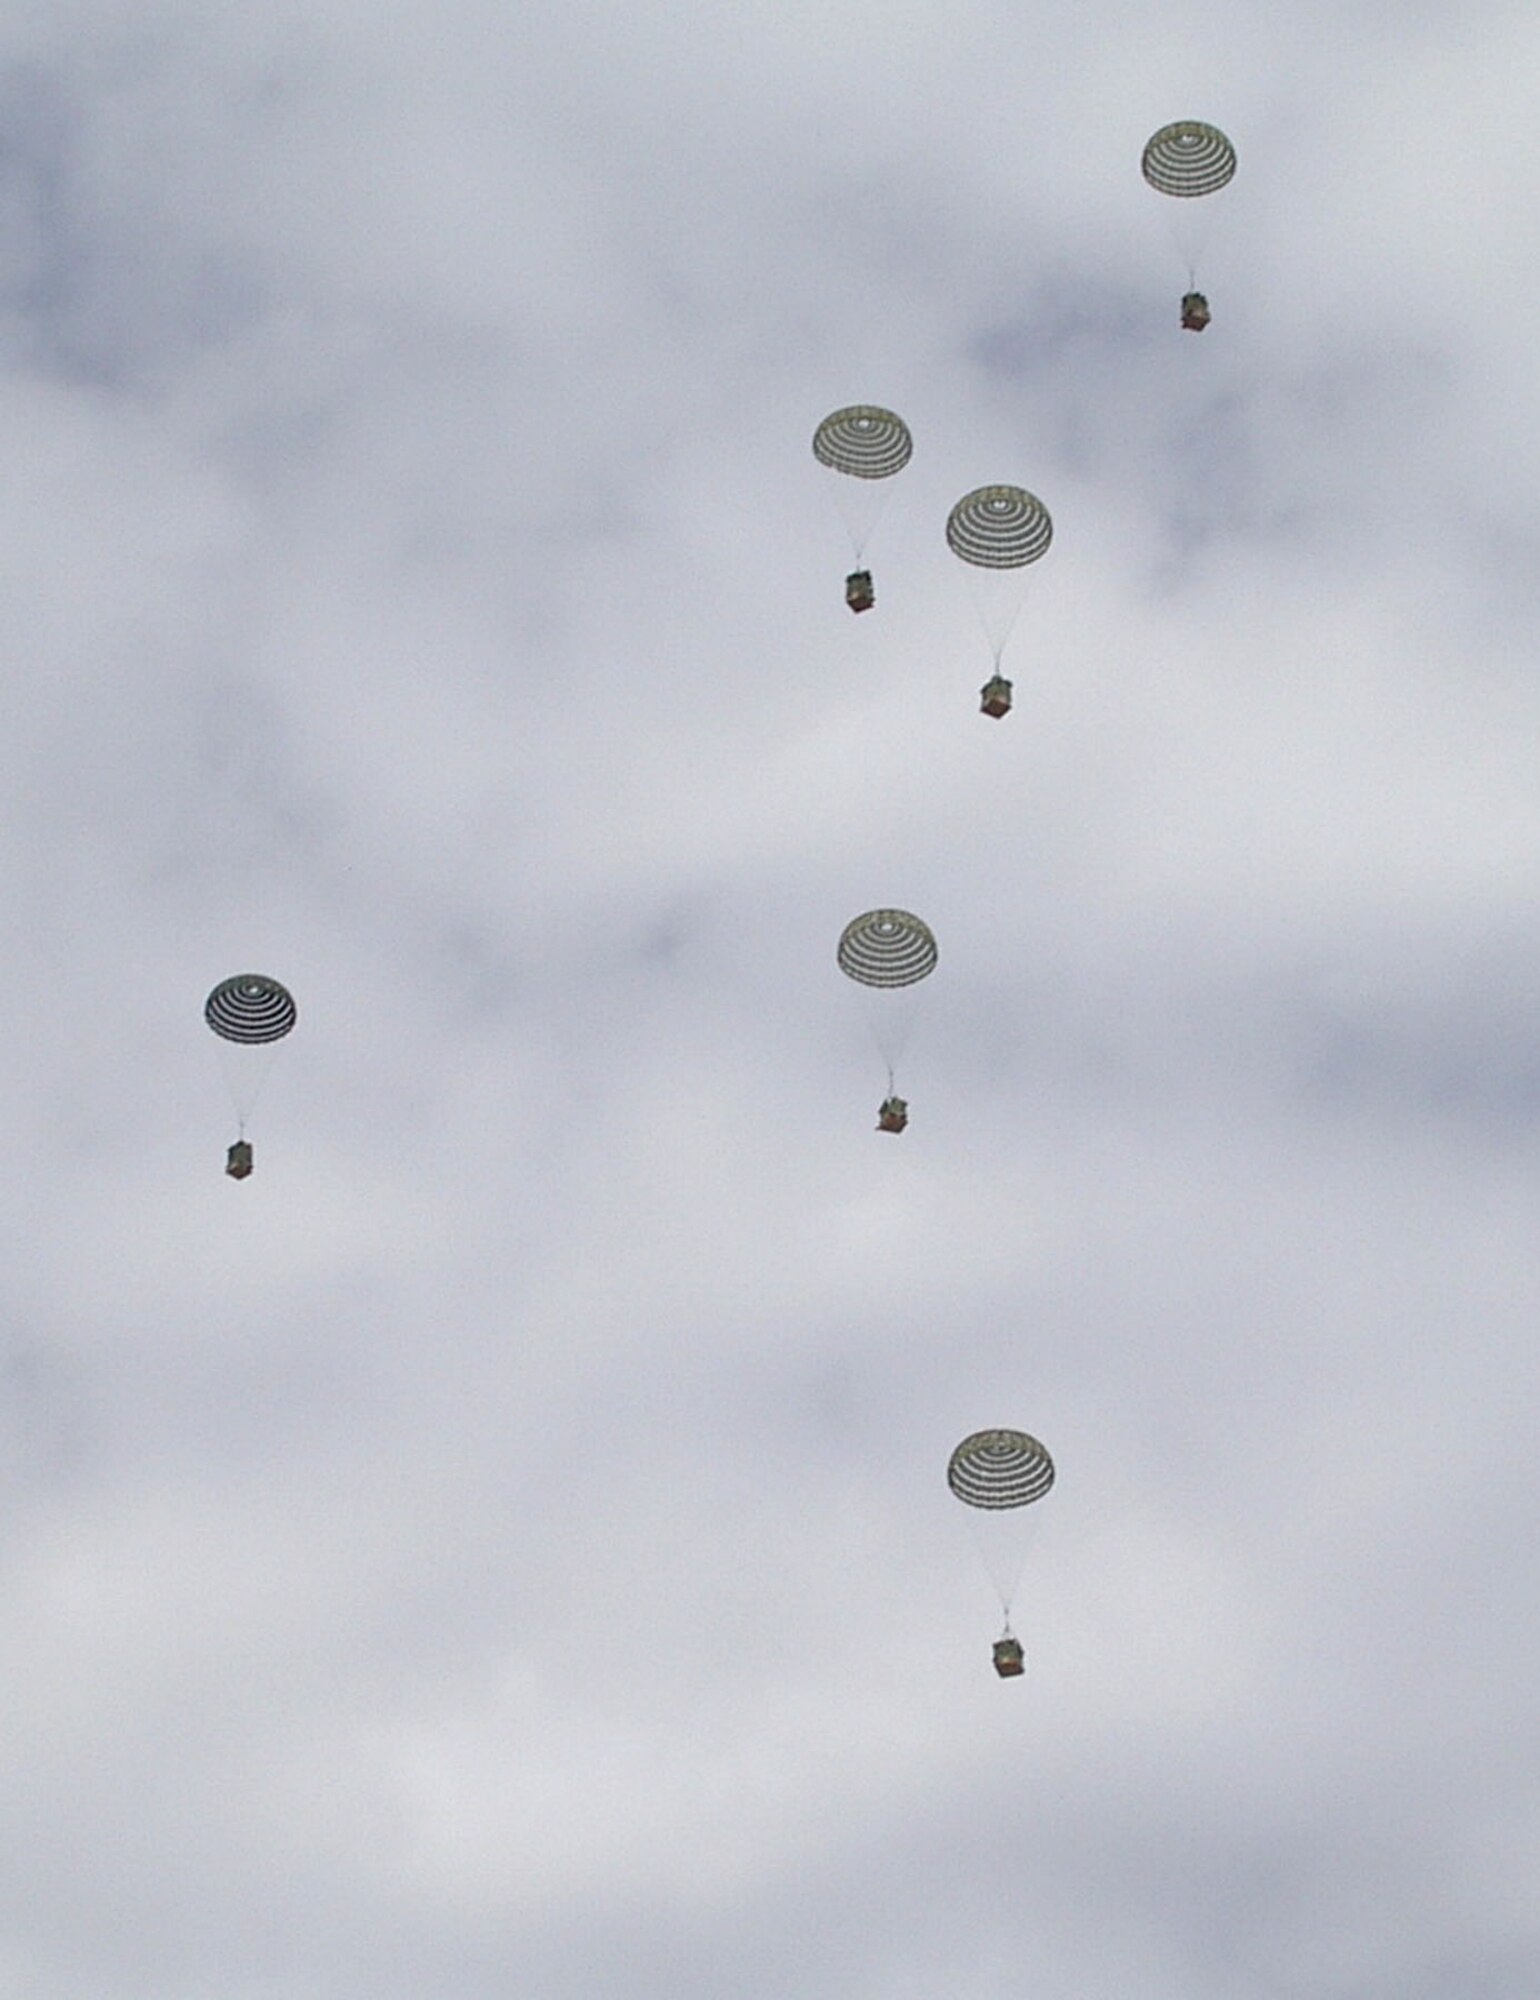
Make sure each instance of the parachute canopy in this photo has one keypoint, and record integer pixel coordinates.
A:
(998, 1469)
(864, 442)
(887, 948)
(1189, 158)
(250, 1008)
(999, 527)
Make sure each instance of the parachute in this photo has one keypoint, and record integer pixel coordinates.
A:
(249, 1013)
(997, 531)
(998, 1469)
(999, 527)
(864, 443)
(1189, 159)
(996, 1473)
(887, 949)
(250, 1008)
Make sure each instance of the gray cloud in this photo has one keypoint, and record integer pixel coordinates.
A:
(503, 1546)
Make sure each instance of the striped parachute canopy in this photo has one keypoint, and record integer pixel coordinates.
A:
(250, 1009)
(887, 948)
(863, 442)
(999, 527)
(999, 1469)
(1189, 159)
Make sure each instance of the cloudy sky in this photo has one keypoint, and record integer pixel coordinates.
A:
(501, 1551)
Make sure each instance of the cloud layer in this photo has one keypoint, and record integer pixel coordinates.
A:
(503, 1547)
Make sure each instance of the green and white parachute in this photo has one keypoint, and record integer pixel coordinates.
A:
(887, 948)
(250, 1008)
(999, 1475)
(1188, 160)
(999, 1469)
(865, 445)
(863, 442)
(999, 527)
(250, 1014)
(888, 951)
(998, 531)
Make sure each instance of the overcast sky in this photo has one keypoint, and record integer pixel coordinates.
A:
(501, 1551)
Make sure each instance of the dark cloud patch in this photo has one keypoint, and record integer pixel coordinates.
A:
(104, 293)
